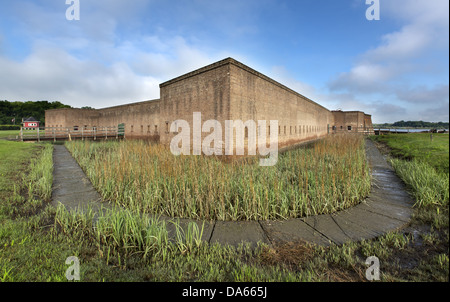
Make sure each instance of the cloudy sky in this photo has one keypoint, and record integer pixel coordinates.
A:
(119, 51)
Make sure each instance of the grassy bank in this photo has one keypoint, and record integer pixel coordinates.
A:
(25, 190)
(36, 239)
(423, 164)
(330, 176)
(9, 134)
(122, 245)
(425, 147)
(422, 161)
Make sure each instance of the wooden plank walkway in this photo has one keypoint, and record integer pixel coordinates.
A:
(71, 187)
(80, 133)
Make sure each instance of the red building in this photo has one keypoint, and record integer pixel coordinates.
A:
(30, 123)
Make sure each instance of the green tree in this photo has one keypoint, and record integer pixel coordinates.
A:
(13, 112)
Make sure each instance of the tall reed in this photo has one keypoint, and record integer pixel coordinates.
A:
(40, 178)
(126, 232)
(330, 176)
(429, 187)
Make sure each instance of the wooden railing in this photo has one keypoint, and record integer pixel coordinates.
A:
(362, 130)
(61, 133)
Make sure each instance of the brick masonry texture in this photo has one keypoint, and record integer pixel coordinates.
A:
(225, 90)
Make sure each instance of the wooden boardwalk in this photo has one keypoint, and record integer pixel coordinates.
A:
(81, 133)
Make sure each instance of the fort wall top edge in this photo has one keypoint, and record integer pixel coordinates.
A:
(105, 108)
(242, 66)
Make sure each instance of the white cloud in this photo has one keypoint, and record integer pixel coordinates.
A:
(383, 112)
(174, 58)
(409, 42)
(105, 58)
(365, 77)
(87, 62)
(425, 95)
(426, 27)
(331, 101)
(402, 55)
(429, 11)
(108, 76)
(111, 57)
(281, 75)
(400, 52)
(436, 113)
(52, 74)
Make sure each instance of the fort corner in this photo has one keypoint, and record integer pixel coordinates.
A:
(223, 91)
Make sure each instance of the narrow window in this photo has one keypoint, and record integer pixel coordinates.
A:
(349, 128)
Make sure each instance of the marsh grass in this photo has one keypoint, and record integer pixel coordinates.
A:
(424, 147)
(31, 191)
(330, 176)
(40, 178)
(126, 232)
(31, 250)
(429, 186)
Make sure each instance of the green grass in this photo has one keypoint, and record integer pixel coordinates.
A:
(9, 134)
(119, 245)
(24, 194)
(423, 164)
(421, 147)
(330, 176)
(14, 157)
(128, 246)
(429, 187)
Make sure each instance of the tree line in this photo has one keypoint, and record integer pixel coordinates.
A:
(12, 113)
(414, 124)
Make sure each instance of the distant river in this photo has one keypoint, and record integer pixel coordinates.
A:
(406, 130)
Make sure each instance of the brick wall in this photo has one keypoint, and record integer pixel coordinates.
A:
(141, 119)
(255, 96)
(225, 90)
(205, 90)
(352, 121)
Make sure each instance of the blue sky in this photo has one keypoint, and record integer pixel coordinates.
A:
(120, 51)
